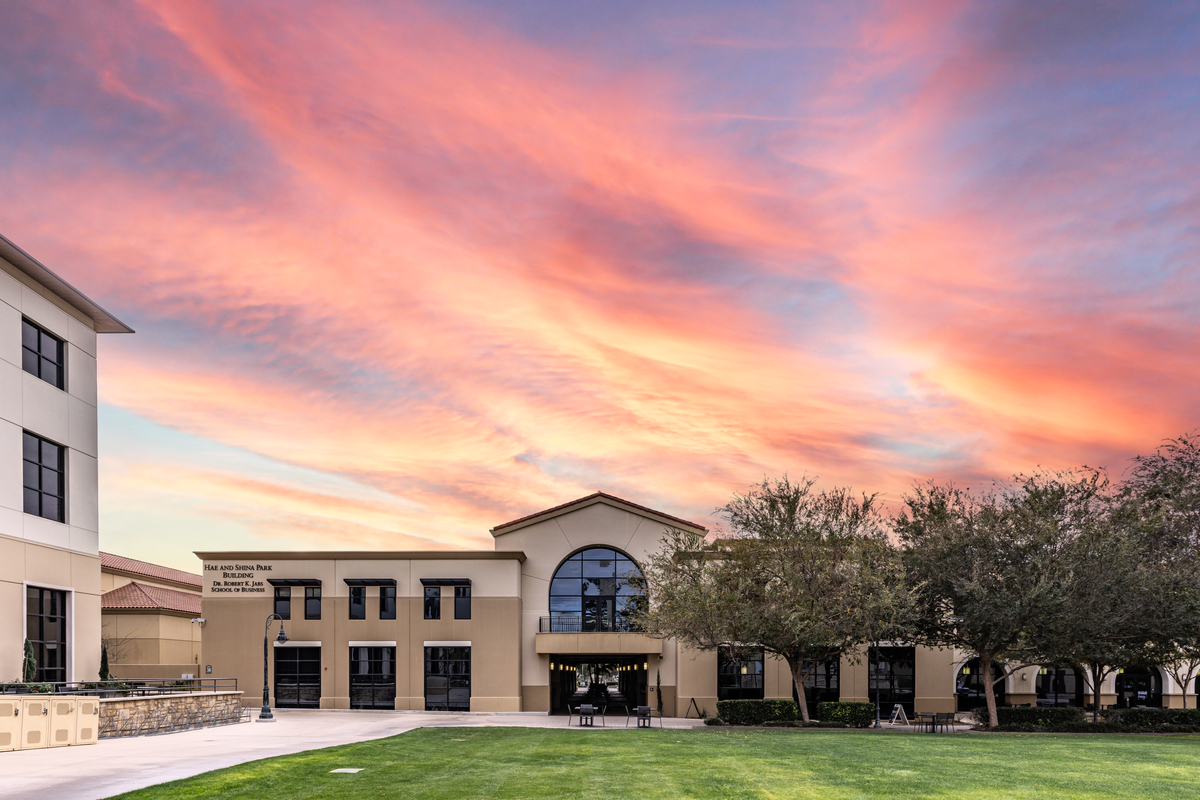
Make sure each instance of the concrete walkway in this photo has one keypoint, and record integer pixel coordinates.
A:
(114, 766)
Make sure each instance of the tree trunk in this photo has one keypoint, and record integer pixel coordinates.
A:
(989, 689)
(1095, 692)
(798, 682)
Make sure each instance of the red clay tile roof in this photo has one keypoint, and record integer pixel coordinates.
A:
(564, 506)
(139, 596)
(135, 567)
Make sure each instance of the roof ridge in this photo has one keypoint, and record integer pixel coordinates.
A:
(592, 496)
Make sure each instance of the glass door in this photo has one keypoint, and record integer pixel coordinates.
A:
(297, 677)
(373, 677)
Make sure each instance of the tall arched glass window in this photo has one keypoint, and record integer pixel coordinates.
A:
(592, 592)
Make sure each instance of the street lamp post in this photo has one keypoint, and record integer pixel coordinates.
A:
(873, 666)
(265, 715)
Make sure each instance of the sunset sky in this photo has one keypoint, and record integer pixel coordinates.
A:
(401, 272)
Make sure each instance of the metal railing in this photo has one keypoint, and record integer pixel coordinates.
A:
(569, 624)
(122, 688)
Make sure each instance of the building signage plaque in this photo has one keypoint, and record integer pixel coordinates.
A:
(237, 578)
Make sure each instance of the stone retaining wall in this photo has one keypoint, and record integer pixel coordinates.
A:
(164, 713)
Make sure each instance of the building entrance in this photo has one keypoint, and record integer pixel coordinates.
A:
(618, 682)
(297, 677)
(1139, 686)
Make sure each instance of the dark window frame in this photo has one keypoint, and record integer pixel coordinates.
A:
(298, 677)
(45, 608)
(433, 602)
(358, 602)
(595, 589)
(740, 673)
(462, 602)
(387, 602)
(44, 462)
(892, 672)
(312, 602)
(43, 353)
(283, 602)
(374, 688)
(447, 674)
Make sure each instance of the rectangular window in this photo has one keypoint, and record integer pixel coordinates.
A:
(283, 601)
(297, 677)
(447, 678)
(312, 602)
(740, 673)
(433, 602)
(45, 477)
(387, 602)
(358, 602)
(373, 677)
(42, 354)
(462, 602)
(46, 629)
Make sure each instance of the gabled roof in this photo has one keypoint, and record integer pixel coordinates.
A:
(137, 596)
(131, 566)
(593, 499)
(103, 321)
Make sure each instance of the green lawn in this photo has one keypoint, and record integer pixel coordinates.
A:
(535, 762)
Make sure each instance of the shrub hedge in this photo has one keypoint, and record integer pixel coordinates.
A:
(855, 715)
(1115, 720)
(756, 712)
(1038, 717)
(1130, 718)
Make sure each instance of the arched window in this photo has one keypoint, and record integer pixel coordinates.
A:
(592, 591)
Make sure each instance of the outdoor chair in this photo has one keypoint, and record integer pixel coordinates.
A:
(588, 713)
(925, 718)
(645, 717)
(944, 721)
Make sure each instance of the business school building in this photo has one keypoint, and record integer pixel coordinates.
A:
(514, 628)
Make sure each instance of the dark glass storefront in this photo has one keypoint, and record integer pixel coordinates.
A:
(892, 672)
(297, 677)
(820, 686)
(740, 673)
(373, 677)
(970, 686)
(447, 679)
(1139, 686)
(46, 629)
(1060, 686)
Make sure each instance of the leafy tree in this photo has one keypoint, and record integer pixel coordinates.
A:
(104, 673)
(986, 568)
(1124, 597)
(1161, 494)
(29, 664)
(802, 574)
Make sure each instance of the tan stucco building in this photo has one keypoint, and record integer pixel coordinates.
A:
(149, 619)
(528, 626)
(49, 516)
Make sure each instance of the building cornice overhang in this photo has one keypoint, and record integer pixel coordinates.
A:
(365, 555)
(591, 500)
(102, 321)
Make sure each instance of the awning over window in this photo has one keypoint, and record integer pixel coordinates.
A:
(445, 581)
(293, 581)
(370, 581)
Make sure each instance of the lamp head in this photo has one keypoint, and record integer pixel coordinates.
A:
(282, 637)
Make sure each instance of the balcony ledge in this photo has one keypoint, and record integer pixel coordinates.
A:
(597, 643)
